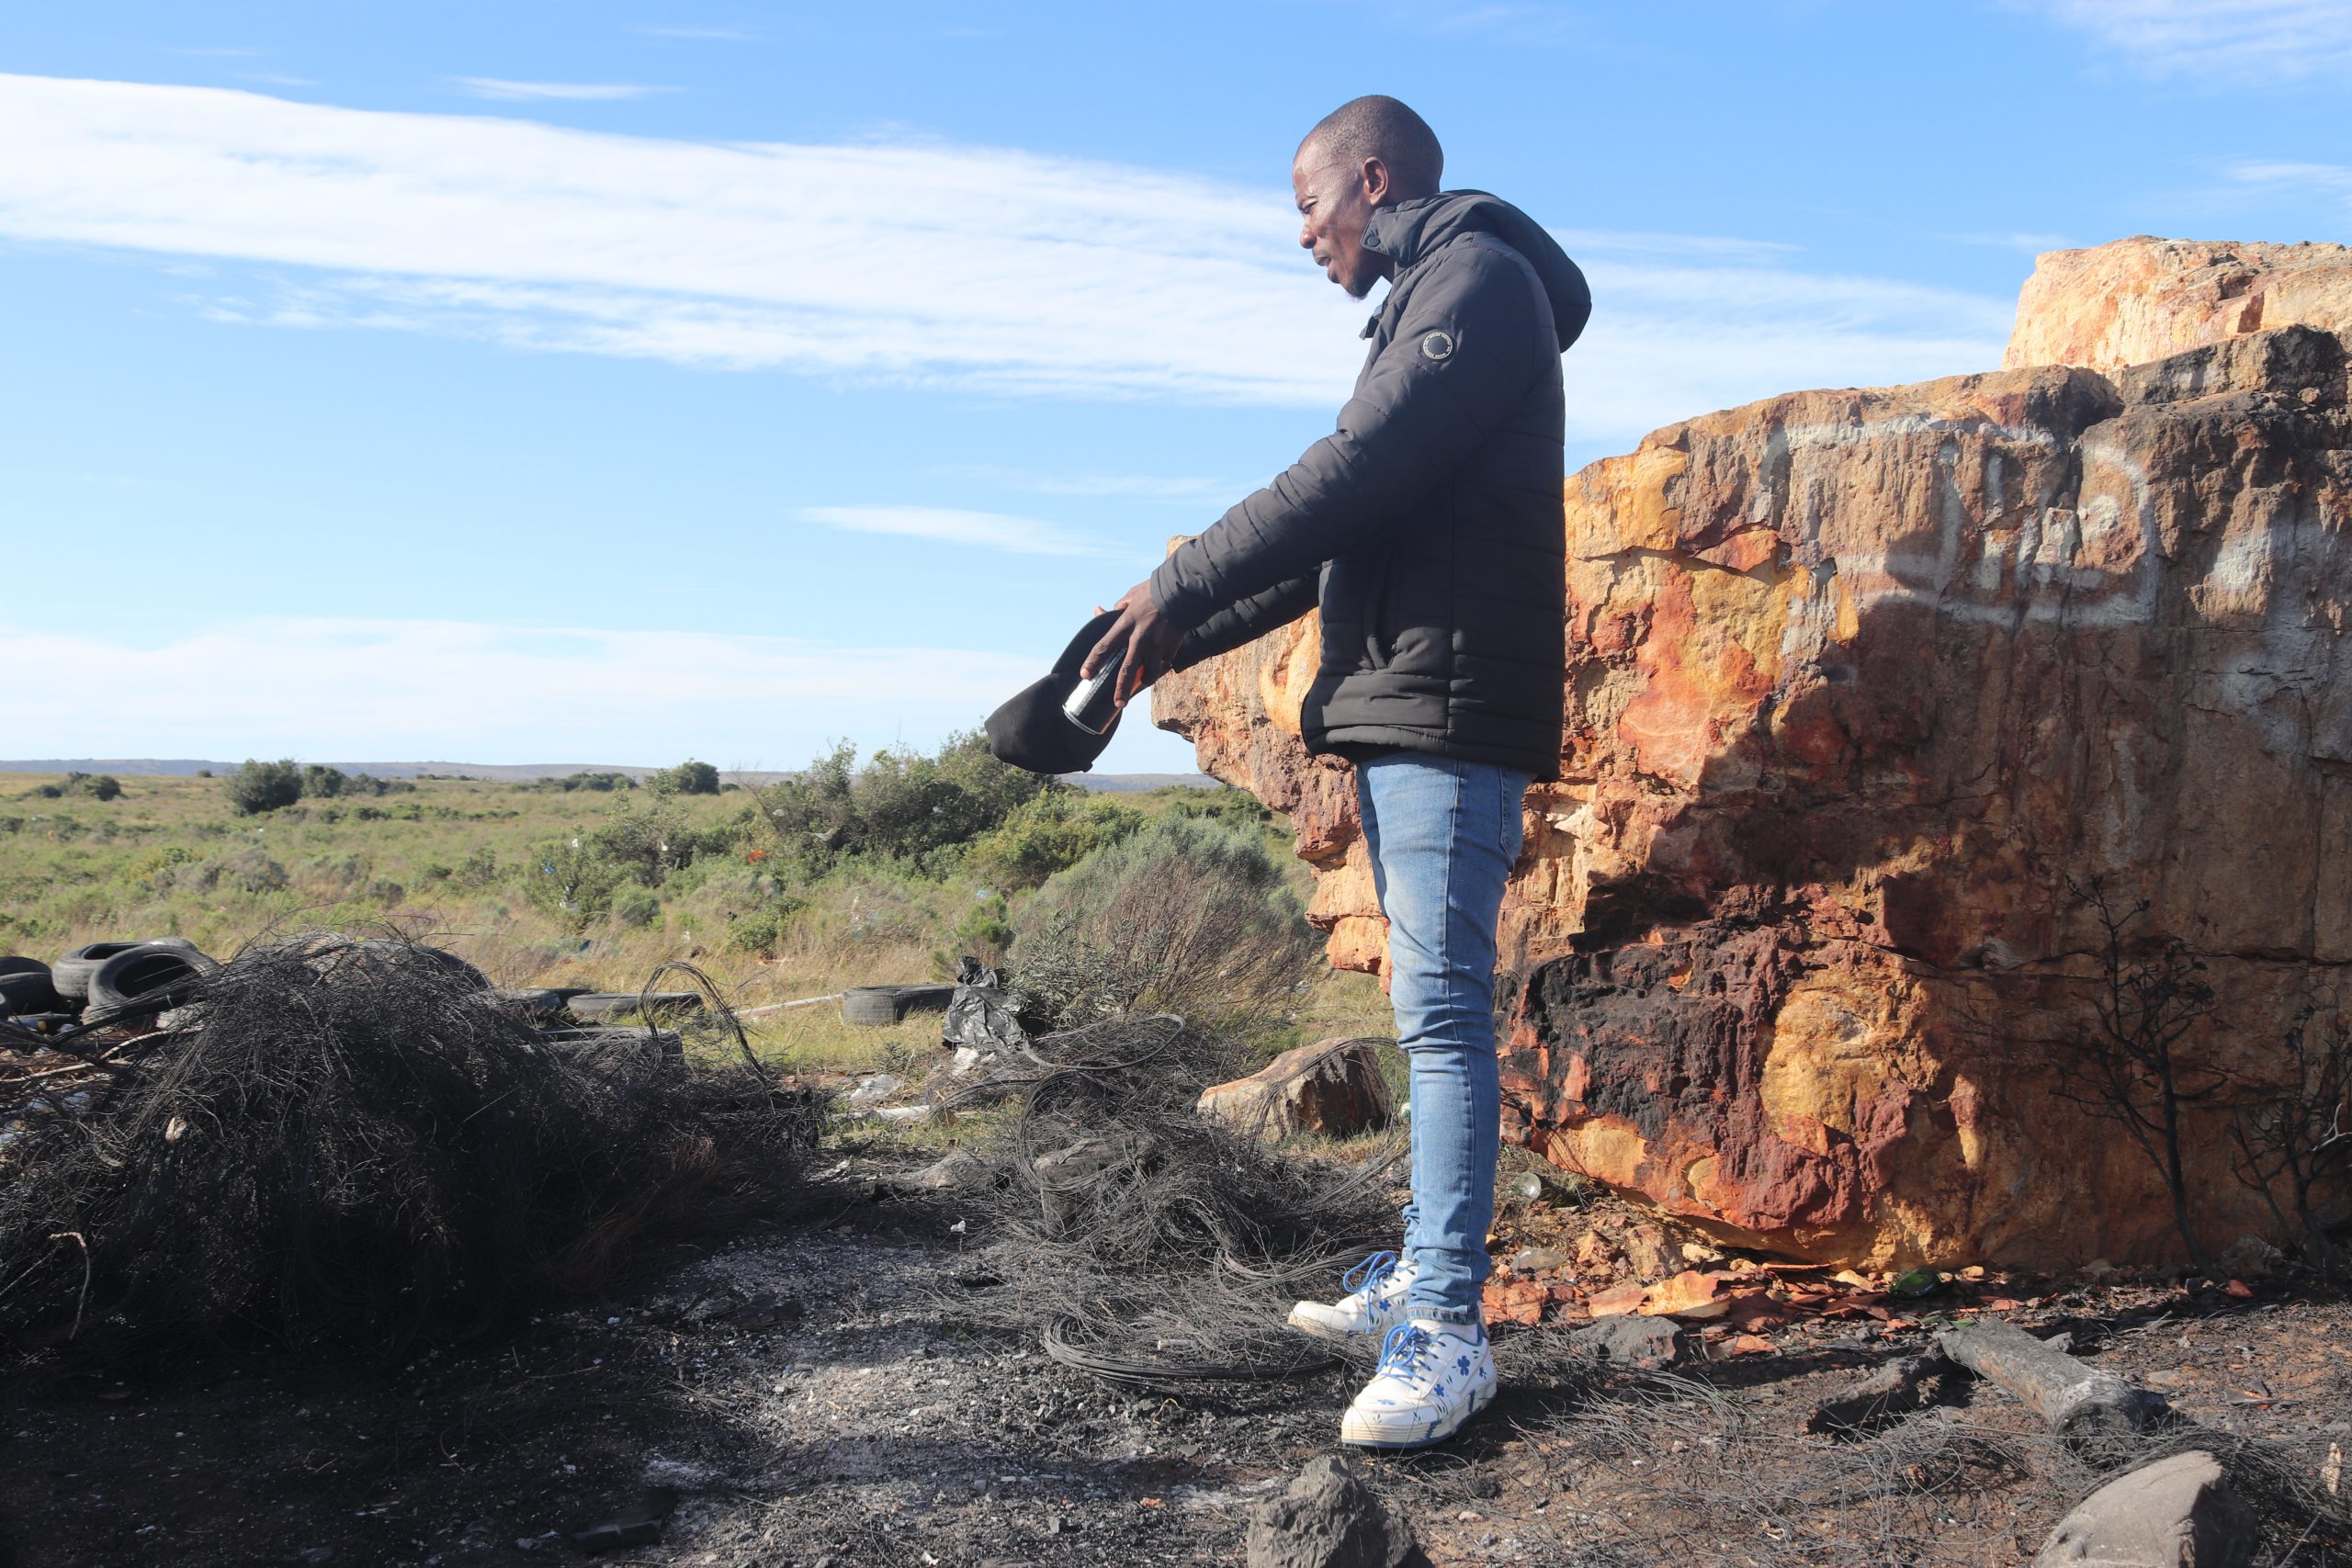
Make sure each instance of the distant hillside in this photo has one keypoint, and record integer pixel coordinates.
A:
(185, 767)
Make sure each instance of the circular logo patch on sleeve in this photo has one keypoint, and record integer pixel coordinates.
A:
(1437, 346)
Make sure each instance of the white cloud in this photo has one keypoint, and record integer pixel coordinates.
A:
(2258, 41)
(487, 693)
(930, 264)
(988, 530)
(500, 91)
(2335, 179)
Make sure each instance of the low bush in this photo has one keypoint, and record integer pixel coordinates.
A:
(688, 777)
(899, 806)
(1047, 834)
(1186, 917)
(258, 787)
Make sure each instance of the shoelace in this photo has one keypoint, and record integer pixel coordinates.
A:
(1369, 1274)
(1402, 1351)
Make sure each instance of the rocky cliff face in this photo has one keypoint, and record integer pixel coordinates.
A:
(2143, 299)
(1861, 684)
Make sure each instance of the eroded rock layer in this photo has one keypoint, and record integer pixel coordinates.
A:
(1863, 685)
(2133, 301)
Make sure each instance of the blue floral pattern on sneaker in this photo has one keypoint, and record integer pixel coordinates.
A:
(1432, 1378)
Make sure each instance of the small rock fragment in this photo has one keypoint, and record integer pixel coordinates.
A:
(2177, 1513)
(1690, 1295)
(1617, 1300)
(1330, 1518)
(1639, 1344)
(640, 1523)
(873, 1090)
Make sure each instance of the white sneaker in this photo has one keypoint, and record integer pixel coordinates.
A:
(1433, 1376)
(1376, 1303)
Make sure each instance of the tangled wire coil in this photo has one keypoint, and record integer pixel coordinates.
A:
(1144, 1244)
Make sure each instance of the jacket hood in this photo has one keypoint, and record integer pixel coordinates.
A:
(1413, 229)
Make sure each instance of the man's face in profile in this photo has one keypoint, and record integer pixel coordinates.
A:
(1334, 200)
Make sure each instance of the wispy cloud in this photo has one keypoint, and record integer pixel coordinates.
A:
(916, 263)
(489, 693)
(2332, 179)
(2032, 244)
(499, 90)
(951, 526)
(2231, 41)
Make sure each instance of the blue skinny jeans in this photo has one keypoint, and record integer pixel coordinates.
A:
(1444, 835)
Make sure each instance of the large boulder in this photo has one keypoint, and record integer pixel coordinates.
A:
(2140, 300)
(1863, 686)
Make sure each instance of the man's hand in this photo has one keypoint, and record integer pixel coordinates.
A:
(1141, 639)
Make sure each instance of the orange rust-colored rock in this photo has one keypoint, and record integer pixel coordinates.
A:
(2141, 299)
(1860, 683)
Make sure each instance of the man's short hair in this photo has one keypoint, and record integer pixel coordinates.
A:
(1378, 127)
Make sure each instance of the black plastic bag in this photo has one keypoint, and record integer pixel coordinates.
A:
(982, 1014)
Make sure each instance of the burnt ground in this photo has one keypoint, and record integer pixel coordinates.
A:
(814, 1396)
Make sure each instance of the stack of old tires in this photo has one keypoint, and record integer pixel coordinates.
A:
(99, 980)
(103, 982)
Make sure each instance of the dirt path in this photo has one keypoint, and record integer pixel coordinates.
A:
(811, 1397)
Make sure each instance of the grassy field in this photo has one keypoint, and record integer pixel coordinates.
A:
(455, 861)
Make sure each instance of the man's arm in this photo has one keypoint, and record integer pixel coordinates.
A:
(1459, 365)
(1246, 622)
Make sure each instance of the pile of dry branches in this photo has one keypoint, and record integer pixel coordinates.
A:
(349, 1142)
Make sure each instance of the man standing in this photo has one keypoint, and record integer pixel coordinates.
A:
(1428, 529)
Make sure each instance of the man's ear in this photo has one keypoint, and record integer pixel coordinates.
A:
(1376, 184)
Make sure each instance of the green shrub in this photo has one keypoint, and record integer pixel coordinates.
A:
(1186, 917)
(244, 869)
(478, 870)
(688, 777)
(985, 930)
(322, 782)
(571, 883)
(97, 786)
(636, 907)
(897, 806)
(1047, 834)
(256, 787)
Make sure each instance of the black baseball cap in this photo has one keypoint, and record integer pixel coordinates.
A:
(1031, 731)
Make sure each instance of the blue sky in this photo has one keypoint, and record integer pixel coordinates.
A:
(612, 382)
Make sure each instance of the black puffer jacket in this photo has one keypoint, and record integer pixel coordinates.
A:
(1428, 526)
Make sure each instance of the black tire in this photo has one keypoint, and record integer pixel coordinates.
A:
(591, 1048)
(144, 976)
(72, 971)
(874, 1006)
(27, 990)
(532, 1001)
(593, 1005)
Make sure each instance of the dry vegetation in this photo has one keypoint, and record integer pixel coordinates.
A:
(471, 866)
